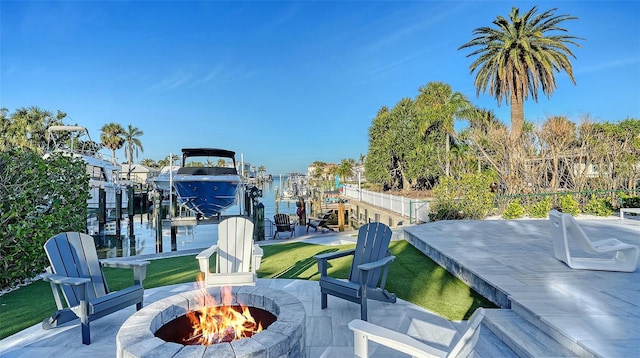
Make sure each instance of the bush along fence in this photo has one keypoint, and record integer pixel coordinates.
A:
(592, 202)
(471, 197)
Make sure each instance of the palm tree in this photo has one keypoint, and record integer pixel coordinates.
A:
(27, 127)
(345, 169)
(111, 137)
(439, 105)
(131, 141)
(518, 58)
(148, 162)
(318, 169)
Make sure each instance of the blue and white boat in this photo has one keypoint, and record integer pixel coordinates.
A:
(208, 187)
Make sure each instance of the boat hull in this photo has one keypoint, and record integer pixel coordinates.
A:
(206, 195)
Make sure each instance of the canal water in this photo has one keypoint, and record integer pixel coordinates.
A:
(188, 237)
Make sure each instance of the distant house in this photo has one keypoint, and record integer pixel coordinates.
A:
(137, 173)
(326, 171)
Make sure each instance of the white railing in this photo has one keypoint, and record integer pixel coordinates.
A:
(416, 210)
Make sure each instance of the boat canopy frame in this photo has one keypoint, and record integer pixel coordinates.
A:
(207, 152)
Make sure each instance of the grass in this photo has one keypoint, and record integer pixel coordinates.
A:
(412, 277)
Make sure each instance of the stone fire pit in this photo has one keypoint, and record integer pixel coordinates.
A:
(283, 338)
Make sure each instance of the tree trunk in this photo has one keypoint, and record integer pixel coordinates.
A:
(447, 164)
(517, 117)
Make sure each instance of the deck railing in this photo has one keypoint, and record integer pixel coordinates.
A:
(415, 210)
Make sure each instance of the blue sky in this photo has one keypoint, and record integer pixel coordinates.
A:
(285, 83)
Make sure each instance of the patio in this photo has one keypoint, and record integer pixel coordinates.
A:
(590, 312)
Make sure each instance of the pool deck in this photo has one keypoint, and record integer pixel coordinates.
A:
(594, 313)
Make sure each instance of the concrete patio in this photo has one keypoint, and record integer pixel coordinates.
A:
(548, 309)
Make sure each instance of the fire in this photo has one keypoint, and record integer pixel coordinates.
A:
(220, 322)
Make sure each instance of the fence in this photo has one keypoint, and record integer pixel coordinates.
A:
(415, 210)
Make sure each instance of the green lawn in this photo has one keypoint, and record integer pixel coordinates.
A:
(412, 277)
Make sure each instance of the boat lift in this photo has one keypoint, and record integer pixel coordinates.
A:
(246, 199)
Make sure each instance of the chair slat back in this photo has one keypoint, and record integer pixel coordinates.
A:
(235, 240)
(465, 345)
(74, 254)
(283, 222)
(372, 245)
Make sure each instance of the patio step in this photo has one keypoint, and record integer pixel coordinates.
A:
(568, 342)
(524, 338)
(490, 346)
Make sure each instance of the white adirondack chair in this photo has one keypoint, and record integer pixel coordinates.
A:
(237, 258)
(363, 332)
(622, 257)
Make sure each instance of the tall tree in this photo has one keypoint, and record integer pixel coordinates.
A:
(345, 170)
(27, 128)
(439, 105)
(132, 141)
(556, 138)
(518, 58)
(111, 137)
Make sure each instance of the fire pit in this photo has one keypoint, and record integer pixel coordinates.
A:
(280, 315)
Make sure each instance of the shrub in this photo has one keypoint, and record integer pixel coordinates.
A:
(599, 207)
(38, 199)
(627, 201)
(540, 209)
(514, 210)
(569, 205)
(468, 197)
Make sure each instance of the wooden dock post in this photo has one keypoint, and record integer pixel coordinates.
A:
(174, 238)
(340, 216)
(118, 212)
(102, 210)
(143, 202)
(157, 214)
(130, 210)
(258, 232)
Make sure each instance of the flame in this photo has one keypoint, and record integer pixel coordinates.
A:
(220, 322)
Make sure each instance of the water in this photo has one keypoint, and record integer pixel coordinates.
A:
(188, 237)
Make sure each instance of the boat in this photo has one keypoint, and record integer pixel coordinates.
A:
(162, 181)
(294, 187)
(209, 187)
(103, 174)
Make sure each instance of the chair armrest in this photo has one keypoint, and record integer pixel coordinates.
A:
(123, 264)
(203, 258)
(64, 280)
(334, 255)
(376, 264)
(365, 331)
(139, 268)
(323, 258)
(257, 257)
